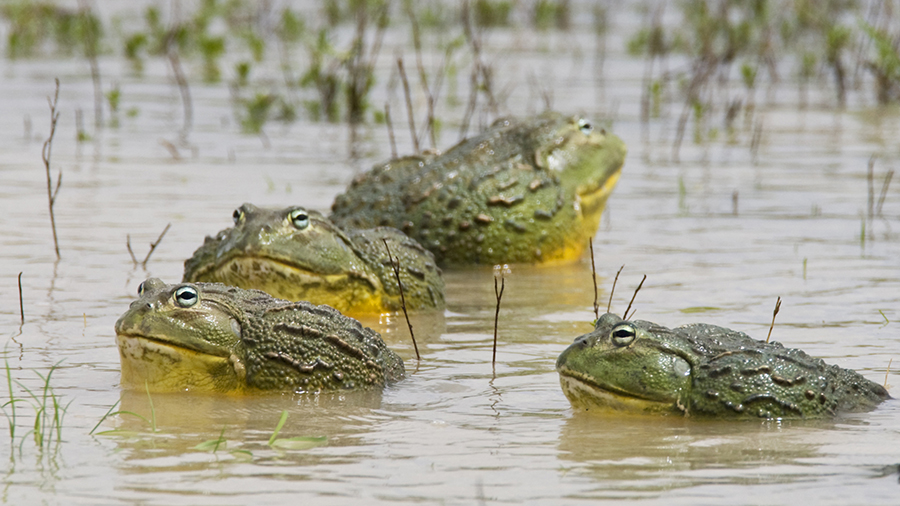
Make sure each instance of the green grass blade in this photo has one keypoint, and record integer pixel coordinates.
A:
(108, 412)
(284, 416)
(299, 443)
(152, 410)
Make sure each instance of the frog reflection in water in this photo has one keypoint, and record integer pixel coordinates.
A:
(523, 191)
(704, 370)
(209, 337)
(297, 254)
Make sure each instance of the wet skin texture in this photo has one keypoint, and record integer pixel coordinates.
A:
(297, 254)
(210, 337)
(523, 191)
(704, 370)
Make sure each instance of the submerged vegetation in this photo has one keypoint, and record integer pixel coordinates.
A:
(705, 58)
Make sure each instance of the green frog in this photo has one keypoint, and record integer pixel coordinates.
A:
(298, 254)
(210, 337)
(528, 191)
(704, 370)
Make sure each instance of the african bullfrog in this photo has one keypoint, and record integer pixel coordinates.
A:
(704, 370)
(523, 191)
(211, 337)
(298, 254)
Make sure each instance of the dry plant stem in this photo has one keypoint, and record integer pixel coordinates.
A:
(499, 294)
(884, 189)
(153, 246)
(130, 251)
(396, 269)
(774, 314)
(423, 76)
(870, 180)
(703, 69)
(636, 290)
(613, 290)
(480, 73)
(594, 278)
(181, 79)
(21, 303)
(45, 154)
(390, 129)
(91, 54)
(887, 372)
(409, 107)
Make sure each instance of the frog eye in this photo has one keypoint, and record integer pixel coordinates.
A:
(299, 218)
(186, 296)
(141, 289)
(237, 215)
(585, 126)
(622, 334)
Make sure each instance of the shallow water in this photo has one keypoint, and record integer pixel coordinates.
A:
(456, 431)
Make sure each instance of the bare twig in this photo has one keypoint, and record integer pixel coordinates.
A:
(130, 251)
(21, 303)
(888, 371)
(611, 292)
(499, 294)
(870, 179)
(153, 246)
(390, 129)
(774, 314)
(884, 189)
(409, 106)
(638, 289)
(90, 52)
(481, 74)
(396, 269)
(45, 154)
(594, 278)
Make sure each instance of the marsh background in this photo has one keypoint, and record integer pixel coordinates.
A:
(762, 137)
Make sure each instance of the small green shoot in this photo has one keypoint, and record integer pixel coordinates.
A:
(212, 445)
(104, 417)
(293, 443)
(284, 417)
(119, 432)
(886, 321)
(11, 418)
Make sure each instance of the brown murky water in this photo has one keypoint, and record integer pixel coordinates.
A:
(454, 432)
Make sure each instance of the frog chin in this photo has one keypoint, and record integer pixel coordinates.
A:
(159, 366)
(591, 199)
(589, 396)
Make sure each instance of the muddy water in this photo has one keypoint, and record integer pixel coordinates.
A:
(455, 431)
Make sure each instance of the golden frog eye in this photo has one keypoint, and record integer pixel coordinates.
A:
(585, 126)
(237, 215)
(141, 289)
(300, 218)
(186, 296)
(622, 334)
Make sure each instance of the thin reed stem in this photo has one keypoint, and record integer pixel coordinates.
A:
(46, 151)
(774, 314)
(396, 268)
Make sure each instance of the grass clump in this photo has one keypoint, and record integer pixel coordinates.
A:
(45, 429)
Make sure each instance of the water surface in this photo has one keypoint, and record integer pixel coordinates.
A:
(457, 431)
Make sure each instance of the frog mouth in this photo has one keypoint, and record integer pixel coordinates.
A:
(584, 392)
(592, 199)
(166, 346)
(263, 270)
